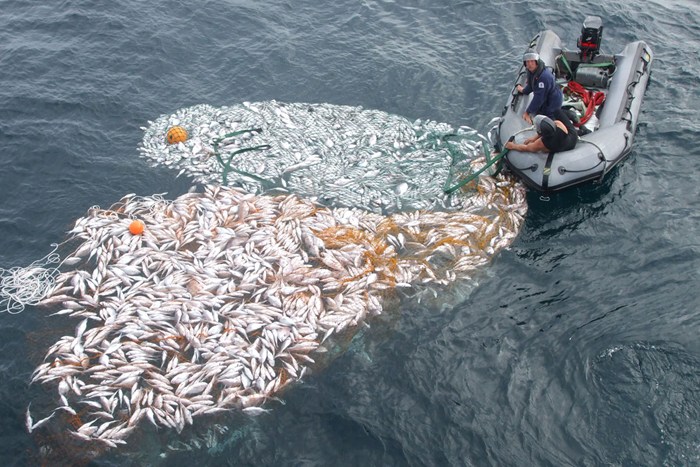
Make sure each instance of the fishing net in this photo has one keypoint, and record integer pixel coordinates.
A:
(339, 155)
(308, 220)
(226, 297)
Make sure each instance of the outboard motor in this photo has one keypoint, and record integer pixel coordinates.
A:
(591, 35)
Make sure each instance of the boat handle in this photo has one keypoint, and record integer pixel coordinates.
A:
(514, 92)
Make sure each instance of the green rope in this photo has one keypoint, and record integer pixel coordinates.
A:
(566, 64)
(475, 174)
(236, 133)
(456, 154)
(489, 161)
(227, 166)
(457, 157)
(584, 65)
(596, 65)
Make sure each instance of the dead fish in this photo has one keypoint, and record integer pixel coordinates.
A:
(29, 423)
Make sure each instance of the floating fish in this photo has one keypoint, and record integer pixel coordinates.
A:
(317, 144)
(231, 293)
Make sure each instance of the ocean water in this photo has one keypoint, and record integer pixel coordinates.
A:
(578, 345)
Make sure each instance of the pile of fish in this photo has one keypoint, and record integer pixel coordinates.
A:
(227, 296)
(338, 155)
(307, 217)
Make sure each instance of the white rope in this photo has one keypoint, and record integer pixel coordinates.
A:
(20, 287)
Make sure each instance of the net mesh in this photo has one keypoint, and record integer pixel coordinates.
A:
(227, 297)
(339, 155)
(234, 290)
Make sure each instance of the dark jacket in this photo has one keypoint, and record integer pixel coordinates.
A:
(548, 97)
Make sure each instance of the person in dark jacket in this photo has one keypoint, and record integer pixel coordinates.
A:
(552, 135)
(548, 98)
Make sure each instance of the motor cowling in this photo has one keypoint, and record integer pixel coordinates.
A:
(591, 36)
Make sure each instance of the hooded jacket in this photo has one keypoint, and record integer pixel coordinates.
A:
(548, 97)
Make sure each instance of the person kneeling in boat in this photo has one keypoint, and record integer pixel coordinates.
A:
(552, 136)
(540, 80)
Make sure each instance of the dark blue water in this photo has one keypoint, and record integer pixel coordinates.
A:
(579, 346)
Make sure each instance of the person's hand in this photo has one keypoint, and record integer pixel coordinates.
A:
(509, 145)
(527, 118)
(519, 88)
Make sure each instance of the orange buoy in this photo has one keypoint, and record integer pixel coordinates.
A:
(136, 227)
(176, 134)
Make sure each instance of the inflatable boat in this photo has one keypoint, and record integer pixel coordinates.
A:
(604, 94)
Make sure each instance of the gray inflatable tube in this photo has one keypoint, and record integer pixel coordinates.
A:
(622, 77)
